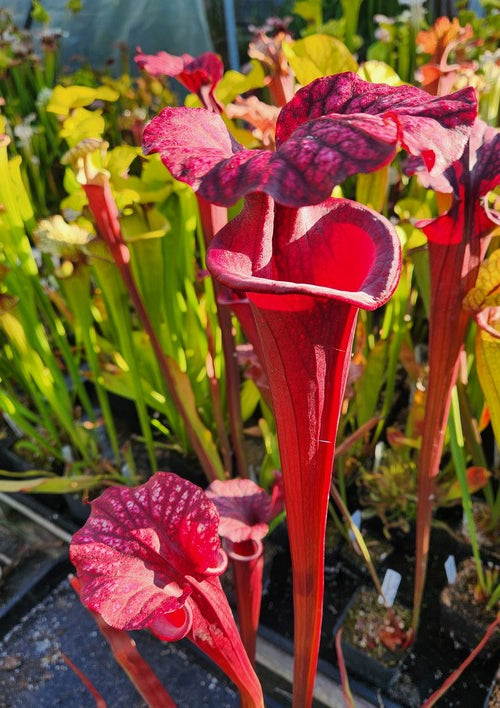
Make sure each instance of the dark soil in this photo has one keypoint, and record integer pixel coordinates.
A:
(369, 626)
(465, 608)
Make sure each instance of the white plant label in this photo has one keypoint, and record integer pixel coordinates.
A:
(390, 587)
(378, 454)
(67, 453)
(450, 567)
(126, 471)
(356, 520)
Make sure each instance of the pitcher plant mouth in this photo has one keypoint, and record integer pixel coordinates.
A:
(284, 258)
(173, 626)
(244, 551)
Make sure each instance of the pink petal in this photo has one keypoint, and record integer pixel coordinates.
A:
(205, 70)
(425, 125)
(243, 508)
(193, 72)
(198, 74)
(197, 148)
(305, 169)
(333, 128)
(161, 63)
(191, 141)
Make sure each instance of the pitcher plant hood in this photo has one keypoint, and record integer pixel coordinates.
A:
(335, 127)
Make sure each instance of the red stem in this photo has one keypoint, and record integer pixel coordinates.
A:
(432, 700)
(137, 669)
(281, 89)
(453, 271)
(346, 691)
(105, 213)
(248, 565)
(308, 353)
(99, 700)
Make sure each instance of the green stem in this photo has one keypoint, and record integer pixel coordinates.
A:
(213, 218)
(77, 289)
(118, 309)
(458, 455)
(358, 538)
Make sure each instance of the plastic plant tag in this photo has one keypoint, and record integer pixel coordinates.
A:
(390, 587)
(125, 470)
(356, 520)
(378, 454)
(67, 453)
(450, 567)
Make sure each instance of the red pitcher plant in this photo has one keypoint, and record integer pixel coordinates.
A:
(245, 510)
(307, 263)
(458, 241)
(150, 557)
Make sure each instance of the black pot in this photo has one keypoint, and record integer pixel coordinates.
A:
(35, 560)
(380, 671)
(464, 620)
